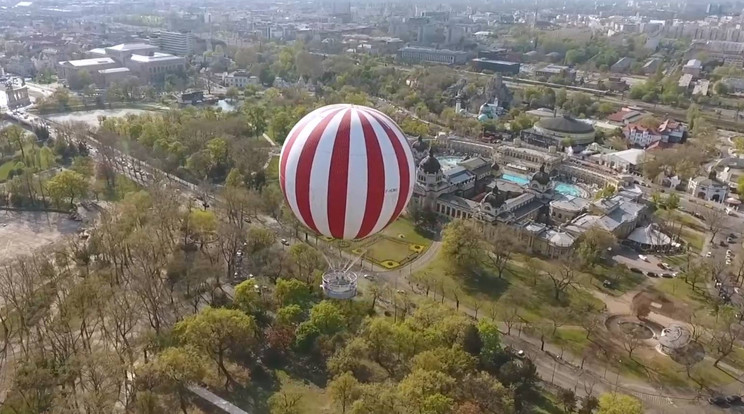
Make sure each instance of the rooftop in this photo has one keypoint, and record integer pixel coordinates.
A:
(128, 47)
(113, 70)
(88, 62)
(156, 57)
(565, 124)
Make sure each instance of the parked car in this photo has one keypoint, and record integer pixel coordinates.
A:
(285, 242)
(635, 270)
(643, 257)
(651, 274)
(607, 283)
(520, 354)
(667, 275)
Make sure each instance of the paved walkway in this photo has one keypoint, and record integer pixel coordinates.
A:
(216, 400)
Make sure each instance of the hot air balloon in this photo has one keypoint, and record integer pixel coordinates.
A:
(346, 171)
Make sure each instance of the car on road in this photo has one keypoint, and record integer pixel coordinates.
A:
(643, 257)
(719, 401)
(369, 277)
(709, 254)
(285, 242)
(520, 354)
(607, 283)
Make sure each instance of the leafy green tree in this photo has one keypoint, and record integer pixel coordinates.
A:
(289, 315)
(216, 332)
(344, 390)
(490, 338)
(235, 179)
(246, 297)
(459, 247)
(232, 93)
(613, 403)
(327, 317)
(594, 243)
(418, 386)
(68, 184)
(172, 372)
(292, 292)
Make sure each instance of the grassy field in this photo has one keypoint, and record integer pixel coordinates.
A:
(535, 301)
(399, 243)
(5, 169)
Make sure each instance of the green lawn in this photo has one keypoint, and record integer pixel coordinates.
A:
(515, 289)
(399, 243)
(5, 169)
(677, 288)
(403, 229)
(694, 238)
(572, 339)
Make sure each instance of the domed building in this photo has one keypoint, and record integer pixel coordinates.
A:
(540, 181)
(420, 149)
(553, 131)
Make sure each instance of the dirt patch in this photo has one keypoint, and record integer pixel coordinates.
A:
(22, 232)
(661, 304)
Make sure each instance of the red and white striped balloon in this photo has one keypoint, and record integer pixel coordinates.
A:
(346, 171)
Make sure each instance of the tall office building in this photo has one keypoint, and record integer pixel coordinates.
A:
(177, 43)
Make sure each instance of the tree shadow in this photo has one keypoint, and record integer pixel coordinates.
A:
(546, 404)
(486, 282)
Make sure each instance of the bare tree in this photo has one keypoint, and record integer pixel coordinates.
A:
(630, 343)
(563, 277)
(500, 251)
(510, 316)
(714, 219)
(726, 333)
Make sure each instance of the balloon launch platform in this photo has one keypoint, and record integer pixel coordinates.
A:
(340, 284)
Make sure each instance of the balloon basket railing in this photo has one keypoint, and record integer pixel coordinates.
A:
(340, 282)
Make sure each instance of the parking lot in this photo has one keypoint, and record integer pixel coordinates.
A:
(632, 260)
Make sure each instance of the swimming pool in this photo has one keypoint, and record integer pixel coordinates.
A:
(560, 187)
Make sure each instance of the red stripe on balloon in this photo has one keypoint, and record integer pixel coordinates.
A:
(375, 178)
(285, 153)
(305, 166)
(403, 168)
(338, 178)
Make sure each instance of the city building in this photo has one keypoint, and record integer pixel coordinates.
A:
(556, 70)
(66, 68)
(155, 66)
(629, 160)
(668, 131)
(730, 170)
(693, 67)
(708, 188)
(622, 65)
(121, 53)
(531, 207)
(624, 117)
(496, 66)
(559, 131)
(423, 54)
(107, 77)
(651, 66)
(177, 43)
(239, 79)
(731, 53)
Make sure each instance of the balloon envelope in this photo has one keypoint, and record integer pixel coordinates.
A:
(346, 171)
